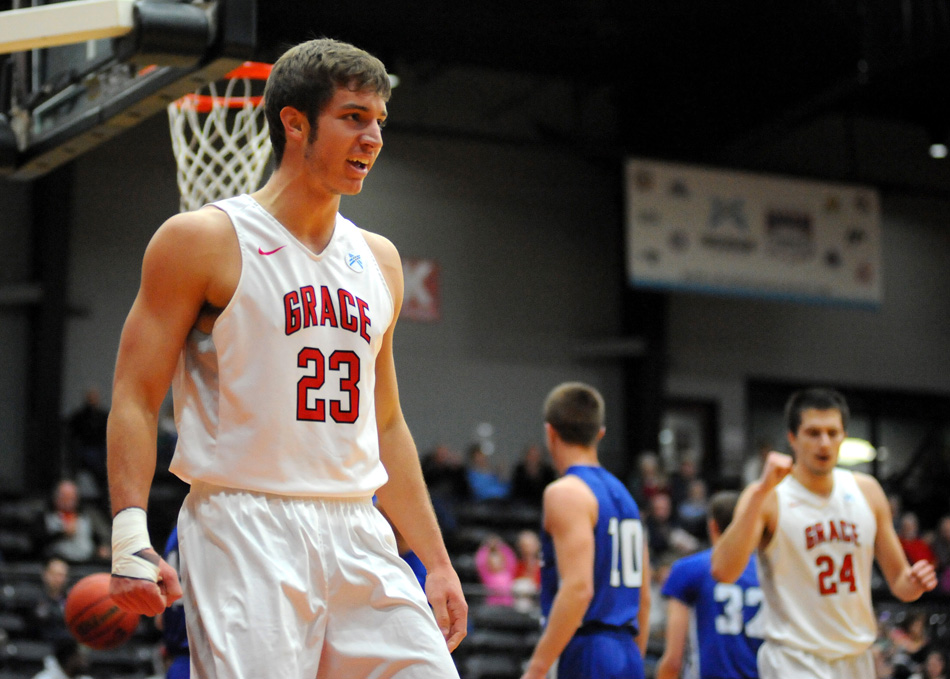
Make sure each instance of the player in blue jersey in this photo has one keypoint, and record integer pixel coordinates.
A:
(595, 594)
(728, 627)
(174, 634)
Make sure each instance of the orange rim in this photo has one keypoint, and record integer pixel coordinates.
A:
(205, 103)
(253, 70)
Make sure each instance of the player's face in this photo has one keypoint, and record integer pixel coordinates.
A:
(348, 140)
(817, 441)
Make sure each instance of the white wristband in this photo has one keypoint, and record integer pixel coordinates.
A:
(129, 538)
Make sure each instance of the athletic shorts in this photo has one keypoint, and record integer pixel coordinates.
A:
(783, 662)
(297, 588)
(600, 654)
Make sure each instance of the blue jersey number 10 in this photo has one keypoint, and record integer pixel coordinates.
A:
(626, 552)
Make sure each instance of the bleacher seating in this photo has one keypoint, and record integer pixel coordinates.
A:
(500, 638)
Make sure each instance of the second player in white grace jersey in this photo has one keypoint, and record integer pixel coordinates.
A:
(816, 570)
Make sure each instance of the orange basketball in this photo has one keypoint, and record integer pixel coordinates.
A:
(93, 617)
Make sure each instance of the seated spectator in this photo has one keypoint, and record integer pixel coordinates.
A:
(47, 618)
(68, 660)
(650, 480)
(444, 473)
(484, 481)
(72, 532)
(527, 576)
(941, 549)
(692, 511)
(664, 534)
(495, 562)
(915, 547)
(911, 639)
(531, 476)
(87, 443)
(681, 480)
(934, 666)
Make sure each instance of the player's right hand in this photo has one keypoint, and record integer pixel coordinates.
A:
(144, 596)
(777, 467)
(444, 591)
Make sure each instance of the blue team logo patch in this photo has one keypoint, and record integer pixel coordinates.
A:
(354, 262)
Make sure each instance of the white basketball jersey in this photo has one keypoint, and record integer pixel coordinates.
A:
(280, 397)
(816, 571)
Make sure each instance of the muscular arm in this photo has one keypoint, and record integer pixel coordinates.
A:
(175, 285)
(753, 523)
(906, 581)
(404, 498)
(677, 626)
(570, 513)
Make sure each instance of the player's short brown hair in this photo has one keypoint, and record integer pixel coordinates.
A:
(722, 506)
(306, 77)
(576, 411)
(814, 398)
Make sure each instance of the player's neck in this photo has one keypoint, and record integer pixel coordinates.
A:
(308, 215)
(578, 456)
(819, 484)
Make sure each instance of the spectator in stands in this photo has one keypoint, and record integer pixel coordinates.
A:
(527, 576)
(665, 535)
(72, 532)
(485, 482)
(681, 480)
(86, 428)
(941, 550)
(650, 481)
(495, 562)
(896, 503)
(692, 512)
(658, 606)
(531, 476)
(46, 619)
(911, 639)
(68, 660)
(444, 473)
(915, 547)
(934, 666)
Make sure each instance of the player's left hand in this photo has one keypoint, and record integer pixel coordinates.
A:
(444, 591)
(924, 575)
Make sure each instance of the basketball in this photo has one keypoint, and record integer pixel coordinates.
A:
(93, 617)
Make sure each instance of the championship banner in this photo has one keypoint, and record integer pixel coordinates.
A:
(735, 233)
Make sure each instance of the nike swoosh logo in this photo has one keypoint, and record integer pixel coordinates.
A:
(261, 252)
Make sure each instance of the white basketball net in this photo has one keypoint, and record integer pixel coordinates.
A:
(221, 152)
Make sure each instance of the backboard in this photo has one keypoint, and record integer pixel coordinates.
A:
(74, 73)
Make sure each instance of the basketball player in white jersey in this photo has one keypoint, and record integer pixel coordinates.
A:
(273, 317)
(817, 529)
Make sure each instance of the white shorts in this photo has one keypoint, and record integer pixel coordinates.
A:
(777, 661)
(297, 588)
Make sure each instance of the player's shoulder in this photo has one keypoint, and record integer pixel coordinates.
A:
(688, 574)
(870, 487)
(566, 486)
(568, 494)
(696, 564)
(383, 248)
(191, 240)
(187, 229)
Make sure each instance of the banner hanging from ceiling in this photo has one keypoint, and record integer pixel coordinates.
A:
(696, 229)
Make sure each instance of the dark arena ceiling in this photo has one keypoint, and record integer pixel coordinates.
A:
(690, 80)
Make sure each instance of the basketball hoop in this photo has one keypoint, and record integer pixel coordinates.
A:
(220, 140)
